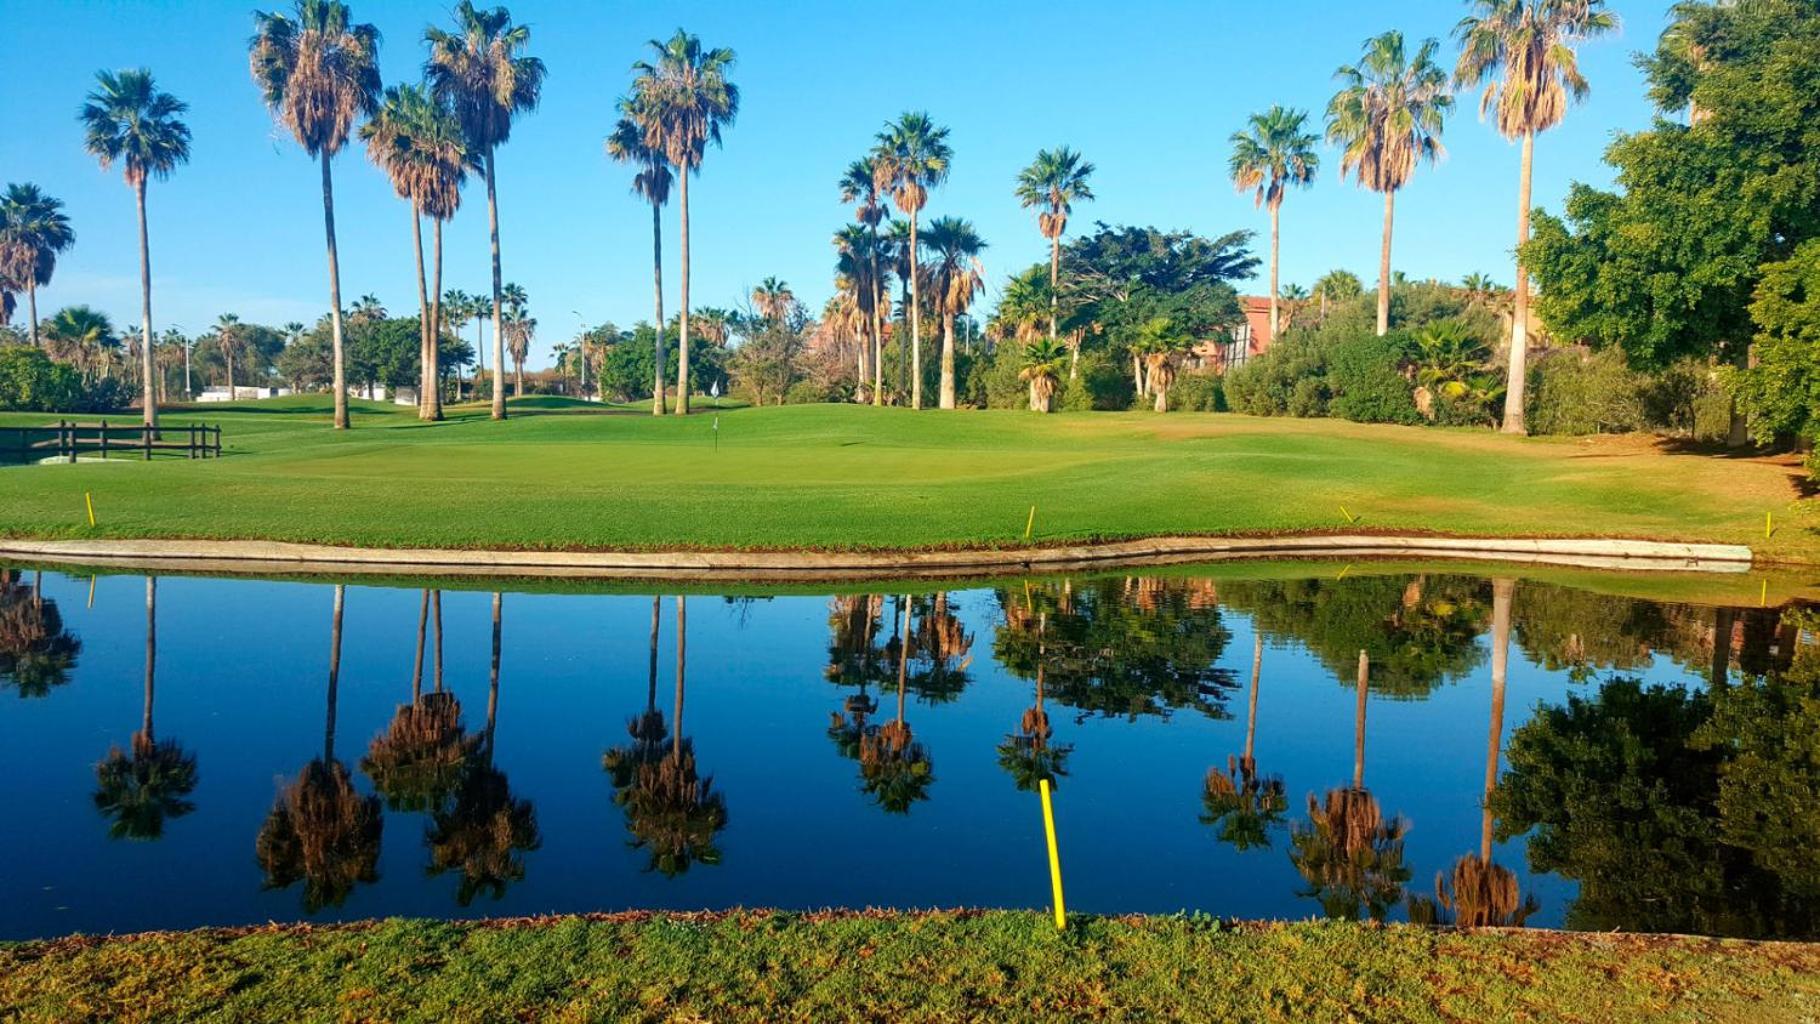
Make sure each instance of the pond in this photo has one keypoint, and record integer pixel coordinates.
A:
(186, 751)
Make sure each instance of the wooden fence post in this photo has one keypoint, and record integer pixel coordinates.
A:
(145, 433)
(103, 439)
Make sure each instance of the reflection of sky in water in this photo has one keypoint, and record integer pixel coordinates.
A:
(241, 682)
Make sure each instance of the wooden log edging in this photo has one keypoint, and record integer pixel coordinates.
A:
(272, 557)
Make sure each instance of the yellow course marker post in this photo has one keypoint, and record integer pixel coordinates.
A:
(1763, 594)
(1030, 524)
(1055, 858)
(90, 500)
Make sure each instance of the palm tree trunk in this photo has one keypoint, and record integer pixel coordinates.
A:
(1055, 276)
(341, 372)
(657, 278)
(424, 386)
(651, 676)
(1251, 716)
(423, 622)
(682, 660)
(151, 652)
(436, 621)
(1358, 728)
(499, 344)
(328, 729)
(945, 398)
(1275, 209)
(227, 353)
(1390, 199)
(916, 326)
(1501, 592)
(433, 356)
(147, 399)
(31, 302)
(518, 377)
(682, 334)
(878, 328)
(903, 653)
(1137, 374)
(1518, 377)
(493, 680)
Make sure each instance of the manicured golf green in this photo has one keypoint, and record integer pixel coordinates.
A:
(1003, 966)
(563, 475)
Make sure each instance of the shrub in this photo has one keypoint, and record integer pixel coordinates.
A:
(999, 378)
(1099, 384)
(1277, 382)
(31, 382)
(1197, 392)
(1572, 391)
(1366, 377)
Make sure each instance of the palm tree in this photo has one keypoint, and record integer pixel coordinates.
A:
(894, 766)
(414, 139)
(682, 100)
(859, 186)
(652, 184)
(481, 72)
(1054, 182)
(1161, 343)
(36, 653)
(421, 760)
(672, 810)
(139, 792)
(367, 310)
(319, 73)
(128, 120)
(33, 232)
(957, 277)
(83, 336)
(912, 156)
(1042, 370)
(856, 270)
(649, 735)
(227, 339)
(1029, 755)
(1387, 118)
(1270, 155)
(321, 831)
(1334, 286)
(772, 299)
(1525, 49)
(459, 307)
(1244, 805)
(520, 329)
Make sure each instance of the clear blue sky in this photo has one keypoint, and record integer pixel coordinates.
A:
(1150, 91)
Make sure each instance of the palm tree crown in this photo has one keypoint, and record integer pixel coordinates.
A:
(130, 122)
(481, 72)
(1521, 50)
(627, 145)
(33, 231)
(1052, 184)
(859, 186)
(912, 157)
(1273, 153)
(418, 144)
(684, 97)
(318, 72)
(1388, 114)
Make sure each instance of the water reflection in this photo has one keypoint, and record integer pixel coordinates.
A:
(1660, 774)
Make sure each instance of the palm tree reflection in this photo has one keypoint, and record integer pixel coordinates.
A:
(895, 769)
(672, 810)
(137, 792)
(419, 762)
(1350, 855)
(321, 831)
(482, 831)
(1240, 803)
(36, 653)
(1028, 754)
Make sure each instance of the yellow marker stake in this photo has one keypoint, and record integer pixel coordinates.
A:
(1055, 858)
(1767, 520)
(90, 499)
(1763, 595)
(1344, 571)
(1030, 524)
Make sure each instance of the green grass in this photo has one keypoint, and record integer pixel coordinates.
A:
(565, 474)
(1000, 966)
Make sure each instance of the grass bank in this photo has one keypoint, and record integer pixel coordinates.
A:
(563, 476)
(1002, 966)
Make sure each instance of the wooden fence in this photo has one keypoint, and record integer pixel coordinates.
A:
(66, 439)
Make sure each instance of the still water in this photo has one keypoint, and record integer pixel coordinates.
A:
(193, 751)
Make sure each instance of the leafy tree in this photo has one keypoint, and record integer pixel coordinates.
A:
(1781, 394)
(127, 120)
(31, 382)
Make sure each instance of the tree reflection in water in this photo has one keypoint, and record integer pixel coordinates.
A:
(138, 792)
(1243, 806)
(37, 654)
(421, 759)
(1029, 755)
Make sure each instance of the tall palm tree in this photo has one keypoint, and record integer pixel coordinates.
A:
(652, 184)
(520, 328)
(1387, 118)
(1052, 184)
(140, 791)
(1270, 155)
(856, 269)
(414, 139)
(772, 299)
(911, 157)
(682, 99)
(859, 186)
(1525, 49)
(33, 232)
(227, 339)
(319, 73)
(957, 277)
(481, 72)
(83, 336)
(127, 120)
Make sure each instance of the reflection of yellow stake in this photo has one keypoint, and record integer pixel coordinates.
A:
(1030, 524)
(1055, 858)
(1763, 595)
(90, 499)
(91, 591)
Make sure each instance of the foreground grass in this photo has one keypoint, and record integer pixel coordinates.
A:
(557, 476)
(1003, 966)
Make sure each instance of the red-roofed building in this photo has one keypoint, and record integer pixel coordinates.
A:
(1249, 339)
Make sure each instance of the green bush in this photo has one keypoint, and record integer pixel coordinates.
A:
(999, 378)
(1277, 383)
(1197, 392)
(1365, 375)
(31, 382)
(1098, 384)
(1574, 392)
